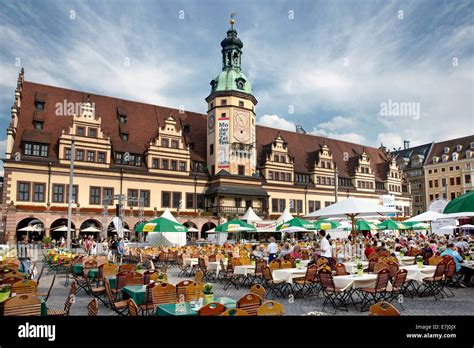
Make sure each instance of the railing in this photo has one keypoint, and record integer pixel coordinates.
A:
(235, 210)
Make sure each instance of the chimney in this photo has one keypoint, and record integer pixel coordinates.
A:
(406, 144)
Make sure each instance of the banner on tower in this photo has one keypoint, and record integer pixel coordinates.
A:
(223, 143)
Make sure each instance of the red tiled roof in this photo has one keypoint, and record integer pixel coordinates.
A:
(143, 121)
(438, 148)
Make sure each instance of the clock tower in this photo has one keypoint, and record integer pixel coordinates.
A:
(231, 121)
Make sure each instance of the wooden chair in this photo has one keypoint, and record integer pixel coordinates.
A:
(383, 309)
(194, 292)
(277, 287)
(335, 296)
(258, 289)
(65, 311)
(132, 308)
(10, 280)
(234, 312)
(164, 293)
(449, 274)
(308, 284)
(393, 268)
(149, 276)
(25, 287)
(341, 269)
(181, 288)
(250, 303)
(45, 296)
(377, 293)
(184, 270)
(398, 286)
(118, 306)
(134, 278)
(198, 276)
(271, 308)
(109, 269)
(208, 274)
(434, 260)
(119, 283)
(285, 264)
(321, 261)
(92, 308)
(127, 267)
(98, 291)
(274, 264)
(244, 260)
(211, 309)
(380, 266)
(22, 305)
(432, 286)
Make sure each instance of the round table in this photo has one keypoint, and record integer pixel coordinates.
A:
(287, 274)
(355, 281)
(418, 274)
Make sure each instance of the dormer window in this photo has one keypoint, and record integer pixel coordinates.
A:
(124, 136)
(458, 148)
(122, 114)
(174, 144)
(38, 125)
(455, 156)
(80, 131)
(472, 145)
(165, 142)
(122, 119)
(445, 158)
(435, 159)
(446, 150)
(240, 82)
(468, 154)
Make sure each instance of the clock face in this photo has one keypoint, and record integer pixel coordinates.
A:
(210, 122)
(241, 126)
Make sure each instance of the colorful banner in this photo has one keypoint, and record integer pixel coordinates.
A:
(223, 160)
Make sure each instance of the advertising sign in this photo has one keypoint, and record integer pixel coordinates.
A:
(223, 160)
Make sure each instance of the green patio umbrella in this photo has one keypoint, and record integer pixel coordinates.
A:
(416, 225)
(161, 224)
(391, 225)
(324, 224)
(296, 225)
(363, 225)
(235, 225)
(461, 204)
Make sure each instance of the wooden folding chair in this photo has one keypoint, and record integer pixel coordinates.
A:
(92, 308)
(22, 305)
(211, 309)
(234, 312)
(383, 309)
(27, 286)
(250, 303)
(258, 289)
(271, 308)
(132, 308)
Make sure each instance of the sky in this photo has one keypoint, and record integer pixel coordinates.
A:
(364, 71)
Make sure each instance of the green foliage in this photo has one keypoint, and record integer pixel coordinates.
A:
(207, 290)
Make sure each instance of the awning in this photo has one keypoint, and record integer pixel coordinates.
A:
(231, 190)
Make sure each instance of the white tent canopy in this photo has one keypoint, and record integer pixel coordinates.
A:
(426, 217)
(192, 229)
(167, 215)
(284, 217)
(352, 206)
(90, 229)
(250, 216)
(61, 229)
(31, 228)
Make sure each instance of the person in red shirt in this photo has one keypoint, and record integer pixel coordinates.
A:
(369, 249)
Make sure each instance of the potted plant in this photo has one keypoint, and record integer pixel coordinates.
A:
(4, 293)
(46, 242)
(360, 269)
(139, 267)
(419, 261)
(208, 293)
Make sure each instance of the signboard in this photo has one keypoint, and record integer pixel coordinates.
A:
(265, 225)
(149, 227)
(388, 201)
(223, 160)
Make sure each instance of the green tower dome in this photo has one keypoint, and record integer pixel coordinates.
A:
(231, 80)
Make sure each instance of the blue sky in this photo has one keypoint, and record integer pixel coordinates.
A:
(326, 65)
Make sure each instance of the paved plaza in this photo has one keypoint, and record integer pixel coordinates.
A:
(461, 304)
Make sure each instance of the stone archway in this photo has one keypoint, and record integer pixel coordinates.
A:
(37, 229)
(91, 223)
(58, 228)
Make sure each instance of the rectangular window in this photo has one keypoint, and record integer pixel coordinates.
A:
(274, 204)
(211, 149)
(241, 103)
(38, 192)
(118, 157)
(189, 200)
(458, 180)
(28, 149)
(436, 183)
(164, 164)
(58, 193)
(177, 200)
(80, 131)
(124, 136)
(155, 163)
(182, 166)
(201, 201)
(39, 105)
(108, 192)
(451, 181)
(90, 156)
(93, 132)
(94, 195)
(36, 149)
(23, 191)
(145, 194)
(79, 155)
(165, 199)
(38, 125)
(270, 175)
(67, 153)
(241, 170)
(467, 178)
(75, 189)
(174, 165)
(174, 144)
(430, 184)
(282, 204)
(44, 151)
(299, 206)
(431, 198)
(165, 142)
(101, 157)
(288, 177)
(223, 101)
(133, 195)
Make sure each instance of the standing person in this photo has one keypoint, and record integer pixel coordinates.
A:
(104, 247)
(272, 249)
(324, 246)
(23, 255)
(120, 249)
(88, 245)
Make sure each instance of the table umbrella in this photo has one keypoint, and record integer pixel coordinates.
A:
(391, 225)
(161, 224)
(235, 225)
(296, 224)
(324, 224)
(461, 204)
(364, 225)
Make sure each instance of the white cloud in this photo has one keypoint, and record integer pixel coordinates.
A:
(275, 121)
(390, 140)
(350, 137)
(338, 122)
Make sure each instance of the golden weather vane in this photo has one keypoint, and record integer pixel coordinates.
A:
(232, 19)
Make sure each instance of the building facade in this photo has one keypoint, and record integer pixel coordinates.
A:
(449, 169)
(204, 167)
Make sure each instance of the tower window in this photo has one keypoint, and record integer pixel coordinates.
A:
(241, 170)
(124, 137)
(39, 105)
(93, 132)
(241, 103)
(38, 124)
(223, 101)
(211, 149)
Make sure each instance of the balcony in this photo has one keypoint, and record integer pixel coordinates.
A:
(223, 209)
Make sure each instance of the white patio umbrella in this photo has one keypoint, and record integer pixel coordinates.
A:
(353, 208)
(192, 229)
(90, 229)
(250, 216)
(467, 227)
(448, 227)
(60, 229)
(427, 216)
(31, 228)
(124, 230)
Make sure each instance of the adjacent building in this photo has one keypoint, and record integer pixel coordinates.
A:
(135, 160)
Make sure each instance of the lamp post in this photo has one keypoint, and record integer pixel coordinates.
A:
(195, 194)
(305, 201)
